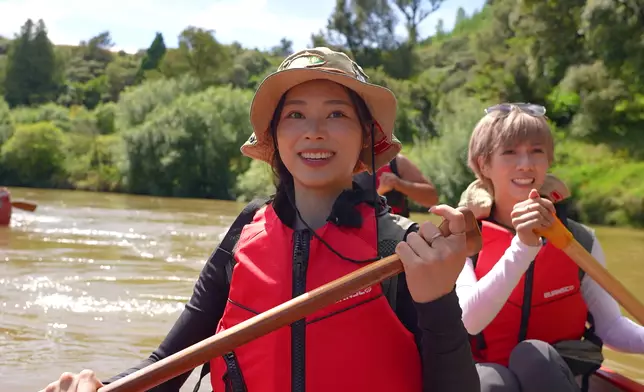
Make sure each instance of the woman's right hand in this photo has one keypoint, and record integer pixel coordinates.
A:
(533, 213)
(85, 381)
(433, 262)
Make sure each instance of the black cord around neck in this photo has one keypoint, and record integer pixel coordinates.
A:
(376, 203)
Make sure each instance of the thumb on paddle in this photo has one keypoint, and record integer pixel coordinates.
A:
(534, 194)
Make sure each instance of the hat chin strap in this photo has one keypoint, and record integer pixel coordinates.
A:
(376, 197)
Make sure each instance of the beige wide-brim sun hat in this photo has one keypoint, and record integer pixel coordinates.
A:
(479, 197)
(323, 63)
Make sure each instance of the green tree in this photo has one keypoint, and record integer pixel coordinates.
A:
(365, 28)
(34, 156)
(153, 56)
(199, 54)
(30, 76)
(583, 59)
(284, 49)
(415, 12)
(120, 74)
(191, 147)
(461, 16)
(137, 102)
(6, 122)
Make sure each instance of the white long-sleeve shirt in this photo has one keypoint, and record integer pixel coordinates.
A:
(482, 300)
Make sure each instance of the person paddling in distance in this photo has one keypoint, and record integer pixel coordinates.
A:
(398, 181)
(318, 122)
(525, 302)
(5, 207)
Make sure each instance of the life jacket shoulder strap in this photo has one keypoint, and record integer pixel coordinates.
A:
(392, 229)
(393, 165)
(584, 235)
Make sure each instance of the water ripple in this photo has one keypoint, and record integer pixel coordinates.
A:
(88, 304)
(96, 280)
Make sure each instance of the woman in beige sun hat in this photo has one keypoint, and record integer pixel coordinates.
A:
(318, 122)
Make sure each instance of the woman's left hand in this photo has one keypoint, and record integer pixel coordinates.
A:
(433, 262)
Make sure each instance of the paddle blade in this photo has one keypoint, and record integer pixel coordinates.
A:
(23, 205)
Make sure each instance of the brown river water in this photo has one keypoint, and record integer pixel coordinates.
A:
(95, 280)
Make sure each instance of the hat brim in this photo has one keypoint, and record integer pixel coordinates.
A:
(381, 103)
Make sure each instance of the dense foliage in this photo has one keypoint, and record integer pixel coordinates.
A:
(169, 121)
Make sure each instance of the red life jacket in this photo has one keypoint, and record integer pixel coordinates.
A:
(357, 343)
(548, 293)
(396, 200)
(5, 207)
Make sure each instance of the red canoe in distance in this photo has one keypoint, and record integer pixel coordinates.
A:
(7, 206)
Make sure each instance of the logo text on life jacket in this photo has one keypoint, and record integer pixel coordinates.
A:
(356, 294)
(560, 291)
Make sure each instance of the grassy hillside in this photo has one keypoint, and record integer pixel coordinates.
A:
(170, 121)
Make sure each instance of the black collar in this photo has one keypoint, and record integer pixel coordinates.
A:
(343, 213)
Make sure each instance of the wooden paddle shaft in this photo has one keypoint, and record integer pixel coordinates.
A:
(562, 238)
(23, 205)
(605, 279)
(275, 318)
(257, 326)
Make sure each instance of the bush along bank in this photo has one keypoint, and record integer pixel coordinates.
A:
(169, 121)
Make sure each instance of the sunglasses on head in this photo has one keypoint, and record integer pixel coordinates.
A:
(528, 108)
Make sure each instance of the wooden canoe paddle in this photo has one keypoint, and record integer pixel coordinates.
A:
(563, 239)
(24, 205)
(277, 317)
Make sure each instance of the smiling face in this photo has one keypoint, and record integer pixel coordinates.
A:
(319, 135)
(513, 153)
(515, 170)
